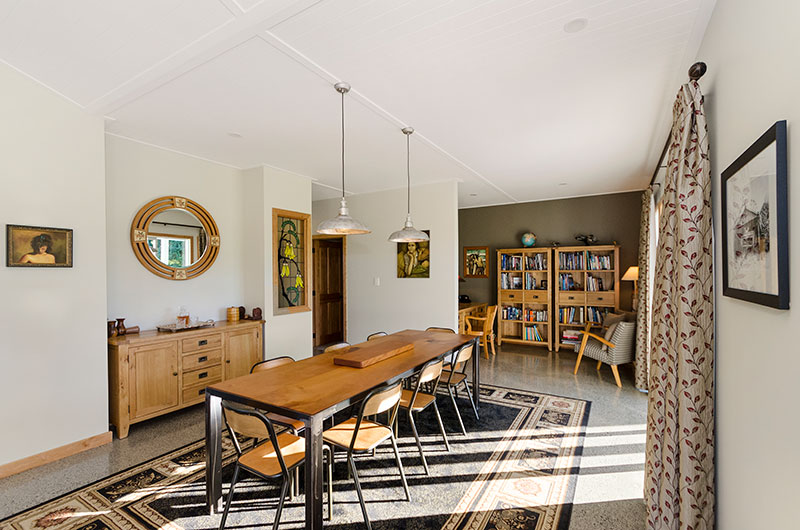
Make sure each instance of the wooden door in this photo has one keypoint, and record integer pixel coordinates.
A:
(242, 351)
(329, 291)
(153, 378)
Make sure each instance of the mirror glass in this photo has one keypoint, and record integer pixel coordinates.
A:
(177, 238)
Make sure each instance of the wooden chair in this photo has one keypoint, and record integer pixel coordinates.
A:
(337, 346)
(361, 435)
(619, 348)
(440, 330)
(376, 335)
(270, 363)
(457, 375)
(486, 331)
(279, 456)
(415, 401)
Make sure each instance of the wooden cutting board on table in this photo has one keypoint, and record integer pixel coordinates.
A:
(371, 352)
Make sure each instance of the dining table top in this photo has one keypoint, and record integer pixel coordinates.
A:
(311, 386)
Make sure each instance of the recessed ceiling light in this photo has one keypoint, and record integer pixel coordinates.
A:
(473, 194)
(562, 183)
(576, 25)
(234, 135)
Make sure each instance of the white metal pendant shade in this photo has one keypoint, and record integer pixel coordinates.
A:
(342, 224)
(408, 234)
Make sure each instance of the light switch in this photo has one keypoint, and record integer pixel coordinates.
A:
(376, 281)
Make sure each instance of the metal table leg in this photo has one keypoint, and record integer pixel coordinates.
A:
(476, 374)
(313, 471)
(213, 453)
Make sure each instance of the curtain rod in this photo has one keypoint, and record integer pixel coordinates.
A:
(696, 71)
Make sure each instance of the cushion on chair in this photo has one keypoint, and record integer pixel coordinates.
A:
(609, 334)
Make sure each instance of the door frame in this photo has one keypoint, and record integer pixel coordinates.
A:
(314, 308)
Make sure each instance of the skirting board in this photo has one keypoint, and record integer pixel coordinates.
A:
(30, 462)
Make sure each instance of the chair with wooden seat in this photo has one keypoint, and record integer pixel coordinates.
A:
(377, 335)
(456, 376)
(361, 435)
(484, 328)
(279, 456)
(415, 401)
(617, 347)
(337, 346)
(440, 330)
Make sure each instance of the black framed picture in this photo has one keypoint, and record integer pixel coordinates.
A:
(755, 228)
(38, 246)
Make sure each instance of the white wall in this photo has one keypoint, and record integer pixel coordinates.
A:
(53, 377)
(753, 51)
(137, 173)
(399, 303)
(267, 188)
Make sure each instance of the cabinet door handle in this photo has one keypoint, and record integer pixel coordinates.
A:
(228, 361)
(202, 375)
(202, 359)
(570, 298)
(174, 373)
(202, 342)
(201, 391)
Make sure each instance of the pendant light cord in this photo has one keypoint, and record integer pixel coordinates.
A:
(408, 171)
(343, 145)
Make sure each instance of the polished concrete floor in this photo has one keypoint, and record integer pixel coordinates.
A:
(609, 488)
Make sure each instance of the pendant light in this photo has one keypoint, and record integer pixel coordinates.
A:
(408, 234)
(342, 224)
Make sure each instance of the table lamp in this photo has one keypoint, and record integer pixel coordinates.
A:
(632, 275)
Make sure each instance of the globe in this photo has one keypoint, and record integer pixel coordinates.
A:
(528, 239)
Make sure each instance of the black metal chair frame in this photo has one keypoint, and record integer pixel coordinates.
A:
(259, 363)
(351, 449)
(287, 476)
(430, 390)
(452, 388)
(377, 334)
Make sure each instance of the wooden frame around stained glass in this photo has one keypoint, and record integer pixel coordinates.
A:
(291, 259)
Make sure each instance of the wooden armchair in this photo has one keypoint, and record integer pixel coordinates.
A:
(485, 325)
(618, 349)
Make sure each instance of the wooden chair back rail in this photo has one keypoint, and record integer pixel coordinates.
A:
(337, 346)
(316, 385)
(382, 401)
(440, 330)
(376, 335)
(271, 363)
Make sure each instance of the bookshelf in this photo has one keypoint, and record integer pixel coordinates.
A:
(524, 296)
(586, 289)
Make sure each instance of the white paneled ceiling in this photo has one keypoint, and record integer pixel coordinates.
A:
(503, 99)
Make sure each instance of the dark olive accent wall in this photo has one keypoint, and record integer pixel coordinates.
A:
(610, 218)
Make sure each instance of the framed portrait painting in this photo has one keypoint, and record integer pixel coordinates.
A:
(414, 259)
(476, 262)
(755, 238)
(38, 246)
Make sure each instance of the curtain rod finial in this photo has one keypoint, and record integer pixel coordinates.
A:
(697, 70)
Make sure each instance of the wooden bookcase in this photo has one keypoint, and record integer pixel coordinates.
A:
(586, 287)
(524, 296)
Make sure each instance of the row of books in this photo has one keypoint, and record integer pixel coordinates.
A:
(508, 281)
(509, 262)
(570, 336)
(596, 314)
(594, 283)
(567, 283)
(571, 315)
(599, 262)
(570, 260)
(531, 283)
(511, 313)
(535, 315)
(536, 262)
(532, 333)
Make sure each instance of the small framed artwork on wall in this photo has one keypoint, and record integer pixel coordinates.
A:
(476, 262)
(292, 257)
(38, 246)
(755, 237)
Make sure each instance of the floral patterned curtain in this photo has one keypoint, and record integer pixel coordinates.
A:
(679, 466)
(641, 363)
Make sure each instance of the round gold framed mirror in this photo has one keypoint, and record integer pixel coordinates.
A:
(175, 238)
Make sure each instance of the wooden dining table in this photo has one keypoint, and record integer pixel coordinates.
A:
(312, 390)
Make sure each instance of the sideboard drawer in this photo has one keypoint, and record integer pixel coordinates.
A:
(202, 359)
(194, 394)
(204, 342)
(571, 298)
(604, 299)
(204, 376)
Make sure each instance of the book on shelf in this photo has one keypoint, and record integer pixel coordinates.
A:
(509, 262)
(570, 260)
(530, 282)
(512, 313)
(594, 283)
(599, 262)
(567, 283)
(535, 315)
(571, 315)
(516, 282)
(570, 336)
(532, 333)
(536, 262)
(597, 314)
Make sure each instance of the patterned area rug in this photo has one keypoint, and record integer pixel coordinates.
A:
(515, 469)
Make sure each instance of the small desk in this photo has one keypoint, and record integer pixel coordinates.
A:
(465, 310)
(312, 390)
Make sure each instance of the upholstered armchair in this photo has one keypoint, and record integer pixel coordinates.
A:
(615, 348)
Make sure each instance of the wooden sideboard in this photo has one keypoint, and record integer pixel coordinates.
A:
(152, 373)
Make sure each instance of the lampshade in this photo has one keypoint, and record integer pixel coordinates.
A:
(631, 275)
(408, 234)
(342, 224)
